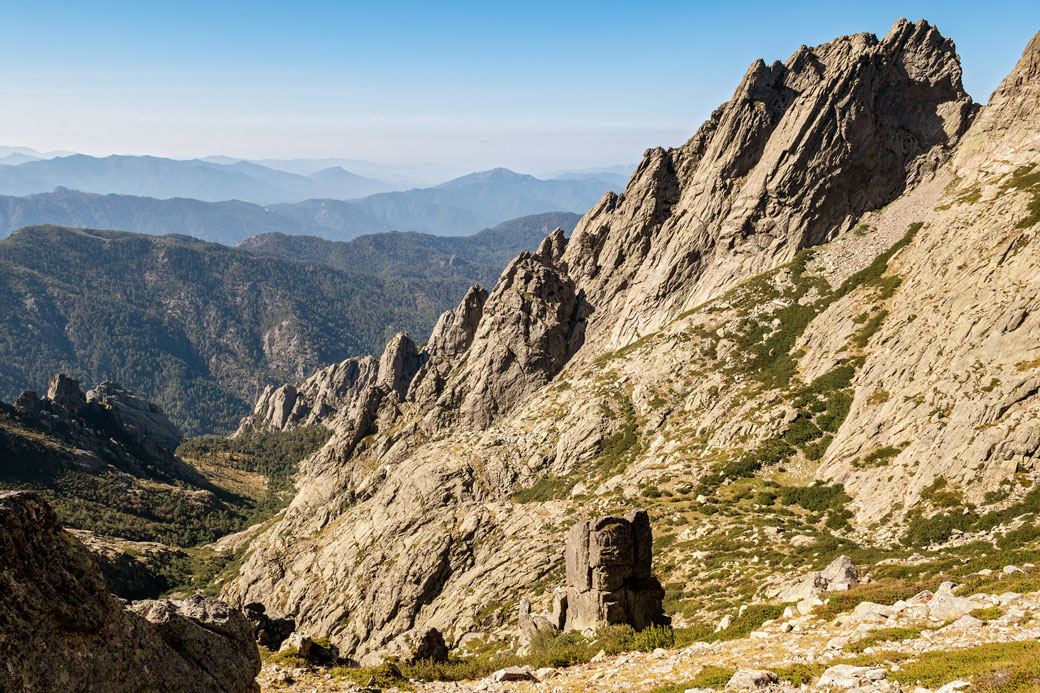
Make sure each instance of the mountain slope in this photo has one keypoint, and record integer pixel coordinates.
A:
(706, 344)
(106, 476)
(460, 206)
(202, 328)
(478, 258)
(218, 222)
(198, 327)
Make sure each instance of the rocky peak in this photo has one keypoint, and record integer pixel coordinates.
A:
(313, 401)
(398, 364)
(1010, 121)
(135, 412)
(66, 392)
(529, 327)
(454, 330)
(551, 249)
(801, 150)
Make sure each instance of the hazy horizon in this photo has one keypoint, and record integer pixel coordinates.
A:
(534, 88)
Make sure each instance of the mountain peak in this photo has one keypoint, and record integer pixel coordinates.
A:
(494, 175)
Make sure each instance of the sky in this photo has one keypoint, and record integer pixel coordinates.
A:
(533, 86)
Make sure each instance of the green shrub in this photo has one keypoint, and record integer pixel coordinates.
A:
(549, 487)
(884, 635)
(885, 591)
(709, 677)
(996, 667)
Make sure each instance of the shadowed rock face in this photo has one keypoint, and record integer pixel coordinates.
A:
(61, 630)
(136, 413)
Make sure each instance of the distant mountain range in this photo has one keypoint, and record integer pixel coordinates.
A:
(459, 207)
(392, 255)
(151, 176)
(201, 328)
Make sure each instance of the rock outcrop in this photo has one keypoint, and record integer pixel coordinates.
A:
(314, 400)
(112, 424)
(61, 630)
(838, 576)
(136, 413)
(267, 631)
(609, 578)
(529, 327)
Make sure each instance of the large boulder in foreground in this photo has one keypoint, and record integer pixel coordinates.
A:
(608, 574)
(60, 629)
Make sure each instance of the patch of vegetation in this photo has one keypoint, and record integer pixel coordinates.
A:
(869, 328)
(549, 487)
(878, 457)
(547, 649)
(994, 667)
(886, 591)
(384, 676)
(1026, 179)
(275, 454)
(134, 494)
(799, 674)
(742, 626)
(938, 528)
(817, 498)
(882, 636)
(710, 677)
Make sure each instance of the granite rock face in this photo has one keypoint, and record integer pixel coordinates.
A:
(609, 577)
(314, 400)
(802, 149)
(56, 610)
(530, 326)
(66, 392)
(592, 366)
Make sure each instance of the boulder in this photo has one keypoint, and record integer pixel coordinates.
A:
(608, 568)
(946, 606)
(310, 650)
(840, 575)
(532, 624)
(269, 632)
(848, 676)
(966, 622)
(430, 647)
(523, 673)
(751, 680)
(210, 635)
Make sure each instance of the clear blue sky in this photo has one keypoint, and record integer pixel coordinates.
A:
(534, 86)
